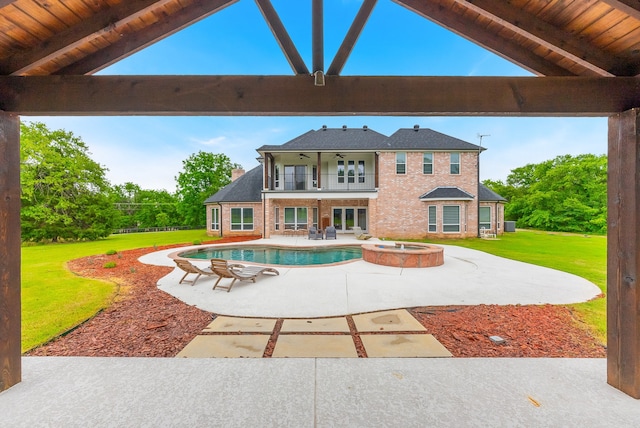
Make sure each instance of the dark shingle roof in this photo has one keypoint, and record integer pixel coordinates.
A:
(450, 192)
(426, 139)
(246, 188)
(331, 139)
(487, 195)
(447, 192)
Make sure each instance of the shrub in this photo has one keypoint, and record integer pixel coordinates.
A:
(197, 242)
(111, 252)
(109, 265)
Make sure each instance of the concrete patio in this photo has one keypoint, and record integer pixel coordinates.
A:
(315, 392)
(334, 392)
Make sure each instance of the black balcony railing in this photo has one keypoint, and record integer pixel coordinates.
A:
(333, 182)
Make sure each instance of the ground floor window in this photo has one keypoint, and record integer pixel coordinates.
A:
(314, 219)
(451, 218)
(276, 215)
(433, 219)
(215, 219)
(485, 218)
(295, 218)
(241, 218)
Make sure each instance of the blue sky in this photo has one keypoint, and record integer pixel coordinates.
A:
(149, 151)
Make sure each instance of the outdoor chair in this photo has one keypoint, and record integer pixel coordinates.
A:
(359, 234)
(237, 271)
(314, 233)
(330, 233)
(189, 268)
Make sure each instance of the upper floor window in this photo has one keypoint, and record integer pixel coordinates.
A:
(295, 177)
(340, 171)
(360, 171)
(241, 218)
(401, 163)
(427, 163)
(351, 172)
(454, 163)
(277, 177)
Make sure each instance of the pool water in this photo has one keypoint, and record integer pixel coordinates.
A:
(278, 255)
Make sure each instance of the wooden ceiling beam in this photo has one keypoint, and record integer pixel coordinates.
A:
(132, 43)
(298, 96)
(630, 7)
(107, 21)
(544, 34)
(479, 35)
(352, 37)
(317, 29)
(282, 37)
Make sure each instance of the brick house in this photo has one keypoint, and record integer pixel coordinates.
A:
(416, 183)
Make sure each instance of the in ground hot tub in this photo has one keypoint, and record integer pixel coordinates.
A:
(404, 254)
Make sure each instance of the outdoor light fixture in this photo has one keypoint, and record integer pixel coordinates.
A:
(319, 78)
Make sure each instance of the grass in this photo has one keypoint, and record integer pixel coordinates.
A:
(582, 255)
(54, 300)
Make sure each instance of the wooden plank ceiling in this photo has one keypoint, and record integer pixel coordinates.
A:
(592, 38)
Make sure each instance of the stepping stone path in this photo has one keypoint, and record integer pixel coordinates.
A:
(389, 334)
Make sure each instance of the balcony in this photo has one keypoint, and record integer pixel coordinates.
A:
(328, 183)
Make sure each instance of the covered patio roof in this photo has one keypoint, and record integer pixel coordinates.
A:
(585, 54)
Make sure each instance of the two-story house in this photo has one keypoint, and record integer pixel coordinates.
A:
(415, 183)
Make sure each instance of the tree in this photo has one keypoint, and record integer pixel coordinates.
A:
(563, 194)
(203, 175)
(63, 191)
(145, 208)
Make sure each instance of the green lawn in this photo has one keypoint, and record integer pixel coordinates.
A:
(582, 255)
(54, 300)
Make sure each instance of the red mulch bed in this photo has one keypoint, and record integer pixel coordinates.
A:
(143, 321)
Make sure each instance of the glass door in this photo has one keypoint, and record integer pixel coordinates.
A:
(345, 218)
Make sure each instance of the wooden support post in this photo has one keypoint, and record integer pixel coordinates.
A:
(10, 362)
(623, 253)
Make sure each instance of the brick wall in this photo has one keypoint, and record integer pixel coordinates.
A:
(401, 214)
(225, 220)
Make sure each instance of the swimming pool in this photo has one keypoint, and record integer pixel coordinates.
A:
(273, 255)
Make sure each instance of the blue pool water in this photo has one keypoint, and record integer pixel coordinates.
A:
(278, 255)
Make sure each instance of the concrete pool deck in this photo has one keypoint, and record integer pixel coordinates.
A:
(468, 277)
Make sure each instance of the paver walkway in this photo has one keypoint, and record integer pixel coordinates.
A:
(379, 334)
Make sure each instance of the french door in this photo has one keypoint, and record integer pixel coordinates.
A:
(345, 218)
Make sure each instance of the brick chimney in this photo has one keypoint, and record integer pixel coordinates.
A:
(236, 173)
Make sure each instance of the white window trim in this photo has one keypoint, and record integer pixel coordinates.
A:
(425, 163)
(242, 223)
(401, 163)
(429, 224)
(215, 218)
(459, 163)
(447, 224)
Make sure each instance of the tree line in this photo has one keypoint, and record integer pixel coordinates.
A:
(565, 194)
(65, 195)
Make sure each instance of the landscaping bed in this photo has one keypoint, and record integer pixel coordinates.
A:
(144, 321)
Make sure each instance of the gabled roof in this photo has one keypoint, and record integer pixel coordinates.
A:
(246, 188)
(341, 139)
(426, 139)
(489, 195)
(455, 193)
(446, 193)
